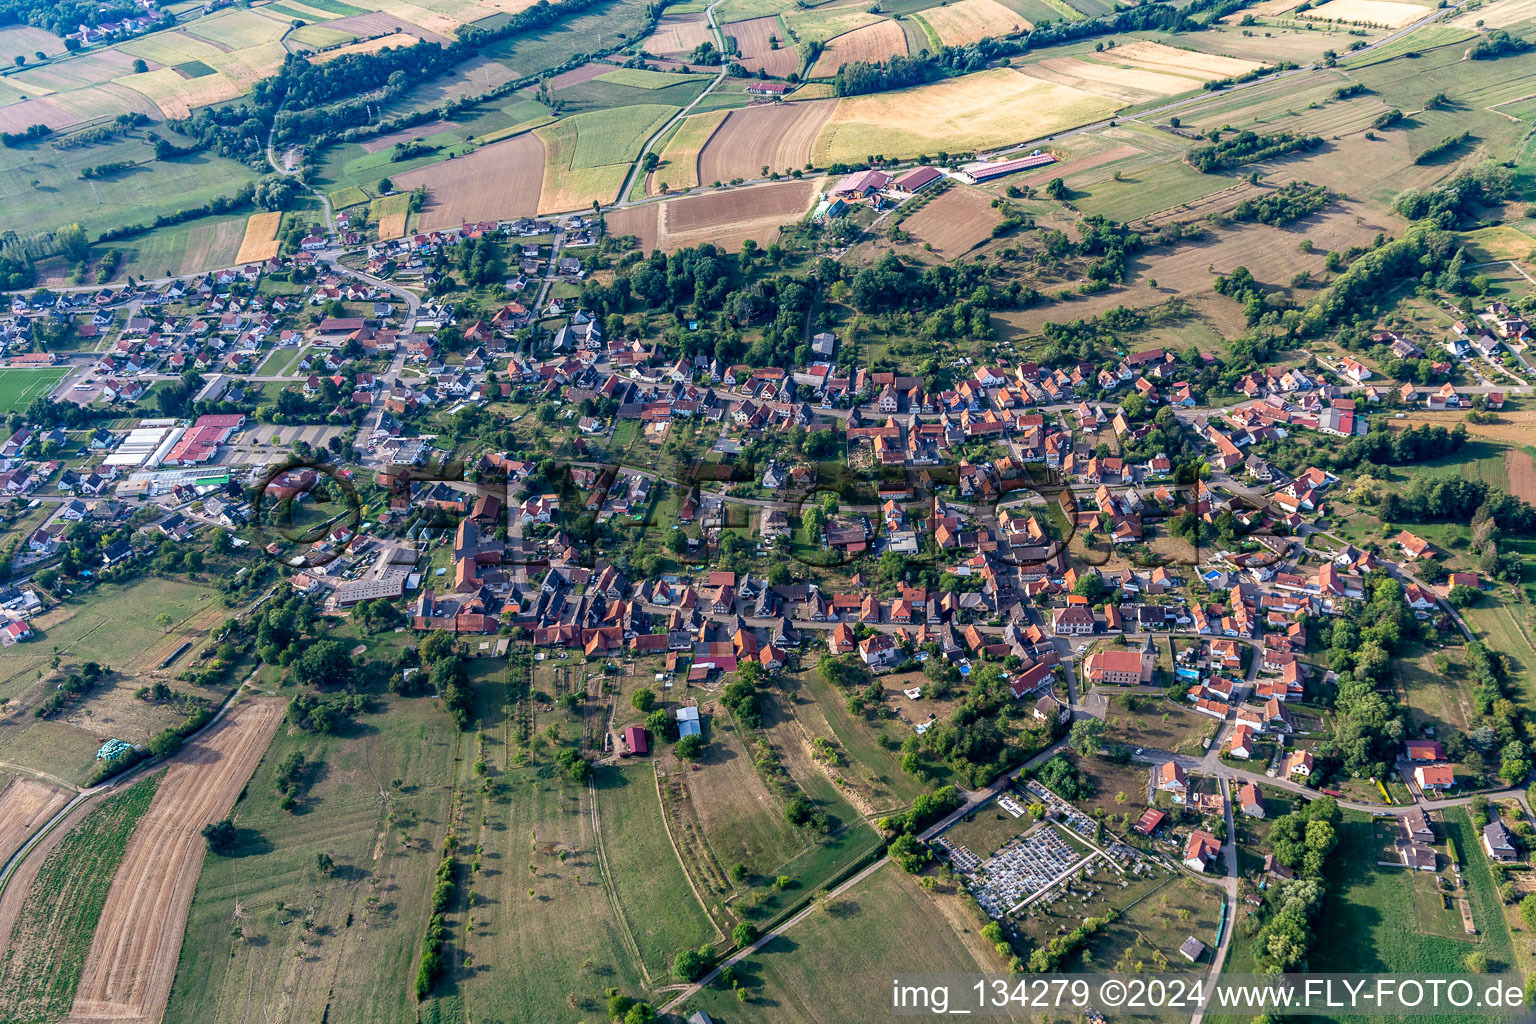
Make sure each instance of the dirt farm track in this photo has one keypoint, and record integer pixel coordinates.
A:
(24, 805)
(133, 955)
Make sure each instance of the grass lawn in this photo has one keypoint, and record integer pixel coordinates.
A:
(643, 873)
(1370, 921)
(207, 243)
(1147, 721)
(985, 831)
(53, 930)
(375, 798)
(859, 740)
(20, 387)
(1148, 935)
(548, 957)
(884, 924)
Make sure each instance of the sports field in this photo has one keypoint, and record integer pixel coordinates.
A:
(19, 386)
(981, 111)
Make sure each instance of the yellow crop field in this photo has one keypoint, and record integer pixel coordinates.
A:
(679, 166)
(177, 96)
(872, 43)
(371, 46)
(260, 241)
(981, 111)
(391, 214)
(970, 20)
(1368, 12)
(1205, 66)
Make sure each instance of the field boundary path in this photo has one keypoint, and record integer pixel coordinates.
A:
(634, 168)
(762, 940)
(82, 795)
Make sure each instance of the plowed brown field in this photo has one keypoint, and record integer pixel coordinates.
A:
(24, 806)
(132, 962)
(779, 135)
(955, 222)
(499, 181)
(755, 50)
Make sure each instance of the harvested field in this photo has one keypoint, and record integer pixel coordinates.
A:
(170, 48)
(1498, 15)
(72, 73)
(18, 117)
(1513, 428)
(725, 219)
(640, 221)
(176, 96)
(132, 962)
(679, 166)
(260, 241)
(420, 131)
(955, 222)
(872, 43)
(392, 214)
(376, 24)
(826, 21)
(971, 20)
(1205, 66)
(112, 99)
(1126, 84)
(986, 110)
(371, 46)
(1262, 9)
(755, 46)
(1367, 12)
(578, 75)
(236, 28)
(26, 804)
(779, 135)
(729, 218)
(243, 67)
(678, 34)
(501, 180)
(52, 903)
(24, 41)
(1522, 484)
